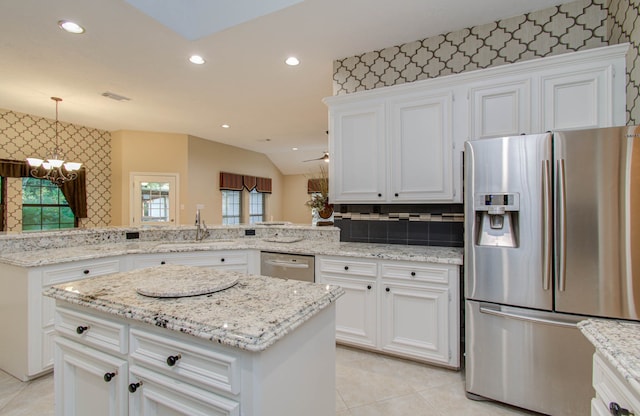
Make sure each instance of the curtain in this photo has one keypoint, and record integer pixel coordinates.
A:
(235, 182)
(74, 191)
(230, 181)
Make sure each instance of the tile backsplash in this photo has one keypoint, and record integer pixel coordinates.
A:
(408, 224)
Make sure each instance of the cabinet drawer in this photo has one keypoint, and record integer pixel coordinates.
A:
(610, 387)
(92, 330)
(415, 272)
(203, 259)
(79, 270)
(349, 267)
(192, 363)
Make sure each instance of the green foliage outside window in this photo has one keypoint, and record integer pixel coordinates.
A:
(44, 207)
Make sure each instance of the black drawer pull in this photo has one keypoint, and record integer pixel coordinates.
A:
(173, 359)
(134, 386)
(616, 410)
(346, 267)
(388, 289)
(163, 262)
(369, 287)
(81, 329)
(108, 376)
(86, 271)
(413, 274)
(222, 260)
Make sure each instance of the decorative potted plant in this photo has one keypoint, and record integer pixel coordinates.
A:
(319, 200)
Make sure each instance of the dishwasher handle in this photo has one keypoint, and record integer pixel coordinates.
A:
(285, 263)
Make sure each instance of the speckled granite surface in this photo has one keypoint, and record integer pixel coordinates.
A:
(252, 315)
(300, 245)
(619, 343)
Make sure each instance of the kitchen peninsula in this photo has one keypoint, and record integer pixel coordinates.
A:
(200, 341)
(419, 283)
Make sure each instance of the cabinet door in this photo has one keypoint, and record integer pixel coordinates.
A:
(498, 110)
(357, 168)
(81, 375)
(158, 395)
(581, 99)
(415, 321)
(421, 146)
(356, 319)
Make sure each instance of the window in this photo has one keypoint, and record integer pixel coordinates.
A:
(231, 207)
(44, 207)
(256, 206)
(154, 198)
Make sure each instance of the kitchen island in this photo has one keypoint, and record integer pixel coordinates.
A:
(262, 346)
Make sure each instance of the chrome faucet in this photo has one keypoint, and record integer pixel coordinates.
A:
(201, 230)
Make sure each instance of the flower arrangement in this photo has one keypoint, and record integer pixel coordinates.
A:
(320, 197)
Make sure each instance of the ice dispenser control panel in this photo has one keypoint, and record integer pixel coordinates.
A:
(497, 202)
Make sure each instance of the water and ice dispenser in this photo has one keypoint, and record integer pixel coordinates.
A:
(496, 217)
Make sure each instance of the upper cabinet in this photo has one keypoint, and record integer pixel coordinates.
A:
(403, 144)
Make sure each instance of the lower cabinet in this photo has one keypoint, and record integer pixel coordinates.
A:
(409, 309)
(613, 396)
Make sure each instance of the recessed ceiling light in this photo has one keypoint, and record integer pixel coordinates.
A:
(197, 59)
(71, 27)
(225, 126)
(294, 148)
(292, 61)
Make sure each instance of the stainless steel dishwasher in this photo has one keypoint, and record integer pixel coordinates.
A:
(287, 266)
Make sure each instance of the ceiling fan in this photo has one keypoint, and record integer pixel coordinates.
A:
(324, 157)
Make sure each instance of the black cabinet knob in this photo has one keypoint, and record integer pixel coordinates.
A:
(388, 289)
(379, 195)
(86, 271)
(413, 274)
(173, 359)
(134, 386)
(346, 267)
(222, 260)
(163, 262)
(369, 287)
(616, 410)
(108, 376)
(396, 195)
(81, 329)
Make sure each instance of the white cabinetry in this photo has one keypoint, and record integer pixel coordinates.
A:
(106, 365)
(419, 317)
(236, 260)
(26, 317)
(414, 133)
(611, 390)
(500, 108)
(420, 148)
(409, 309)
(356, 310)
(358, 153)
(404, 137)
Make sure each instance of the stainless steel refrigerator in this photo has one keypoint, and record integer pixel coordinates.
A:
(552, 237)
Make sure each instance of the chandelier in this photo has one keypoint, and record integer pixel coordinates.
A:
(54, 168)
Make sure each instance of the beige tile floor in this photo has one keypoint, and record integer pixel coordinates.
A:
(367, 384)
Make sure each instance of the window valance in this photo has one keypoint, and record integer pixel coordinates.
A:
(235, 182)
(74, 191)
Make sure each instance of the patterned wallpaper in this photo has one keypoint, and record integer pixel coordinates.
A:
(569, 27)
(23, 135)
(624, 26)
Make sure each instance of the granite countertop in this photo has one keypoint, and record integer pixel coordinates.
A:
(42, 257)
(619, 343)
(252, 314)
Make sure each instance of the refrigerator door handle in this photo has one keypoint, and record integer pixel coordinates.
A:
(561, 224)
(547, 225)
(497, 311)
